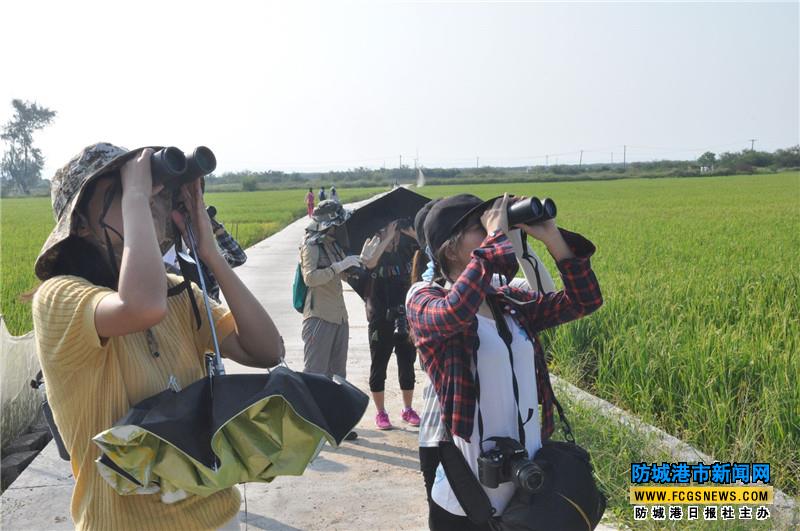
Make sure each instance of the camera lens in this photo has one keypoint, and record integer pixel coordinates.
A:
(400, 323)
(527, 475)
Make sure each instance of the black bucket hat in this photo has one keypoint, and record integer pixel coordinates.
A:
(449, 214)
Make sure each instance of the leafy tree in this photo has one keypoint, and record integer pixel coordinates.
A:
(249, 183)
(707, 159)
(759, 159)
(788, 158)
(22, 162)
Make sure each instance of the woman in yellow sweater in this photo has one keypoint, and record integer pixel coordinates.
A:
(108, 336)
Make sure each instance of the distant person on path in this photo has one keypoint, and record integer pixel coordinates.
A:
(322, 194)
(310, 202)
(334, 195)
(387, 259)
(464, 333)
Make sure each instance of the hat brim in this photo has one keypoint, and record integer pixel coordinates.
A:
(478, 209)
(66, 226)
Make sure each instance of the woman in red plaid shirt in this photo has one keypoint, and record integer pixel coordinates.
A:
(457, 338)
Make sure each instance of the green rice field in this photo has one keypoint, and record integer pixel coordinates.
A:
(700, 331)
(26, 222)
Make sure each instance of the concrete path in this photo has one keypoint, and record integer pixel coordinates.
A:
(372, 483)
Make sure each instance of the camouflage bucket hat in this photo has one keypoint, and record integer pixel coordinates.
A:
(328, 213)
(66, 193)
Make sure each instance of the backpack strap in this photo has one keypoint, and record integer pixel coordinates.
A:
(469, 493)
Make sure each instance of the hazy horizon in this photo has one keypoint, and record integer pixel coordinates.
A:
(330, 86)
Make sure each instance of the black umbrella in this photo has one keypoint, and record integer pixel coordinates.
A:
(260, 426)
(369, 218)
(225, 429)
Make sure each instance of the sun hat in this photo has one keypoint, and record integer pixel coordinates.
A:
(447, 215)
(66, 192)
(326, 214)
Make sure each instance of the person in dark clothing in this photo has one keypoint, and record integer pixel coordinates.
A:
(229, 248)
(383, 285)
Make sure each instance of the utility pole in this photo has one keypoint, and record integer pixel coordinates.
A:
(401, 161)
(547, 160)
(477, 162)
(612, 157)
(580, 161)
(624, 157)
(752, 144)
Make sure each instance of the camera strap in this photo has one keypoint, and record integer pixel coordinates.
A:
(111, 192)
(505, 334)
(526, 255)
(188, 273)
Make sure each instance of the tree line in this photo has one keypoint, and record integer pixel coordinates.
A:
(22, 163)
(708, 164)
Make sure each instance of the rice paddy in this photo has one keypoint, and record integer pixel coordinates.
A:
(699, 333)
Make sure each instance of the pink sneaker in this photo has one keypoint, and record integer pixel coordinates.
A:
(410, 416)
(382, 421)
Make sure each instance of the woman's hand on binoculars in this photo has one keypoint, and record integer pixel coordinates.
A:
(192, 199)
(542, 231)
(136, 176)
(496, 216)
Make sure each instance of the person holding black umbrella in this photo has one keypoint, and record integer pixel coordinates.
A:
(387, 260)
(108, 335)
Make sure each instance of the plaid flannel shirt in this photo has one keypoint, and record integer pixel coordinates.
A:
(230, 250)
(445, 325)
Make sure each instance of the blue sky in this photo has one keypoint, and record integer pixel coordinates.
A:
(309, 86)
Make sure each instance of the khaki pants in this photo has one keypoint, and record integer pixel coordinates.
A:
(325, 350)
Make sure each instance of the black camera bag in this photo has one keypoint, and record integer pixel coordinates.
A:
(569, 499)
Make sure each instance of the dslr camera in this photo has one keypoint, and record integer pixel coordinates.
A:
(397, 315)
(508, 461)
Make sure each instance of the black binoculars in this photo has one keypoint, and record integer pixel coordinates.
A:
(531, 210)
(173, 169)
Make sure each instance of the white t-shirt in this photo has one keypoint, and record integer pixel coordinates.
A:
(171, 257)
(498, 408)
(431, 427)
